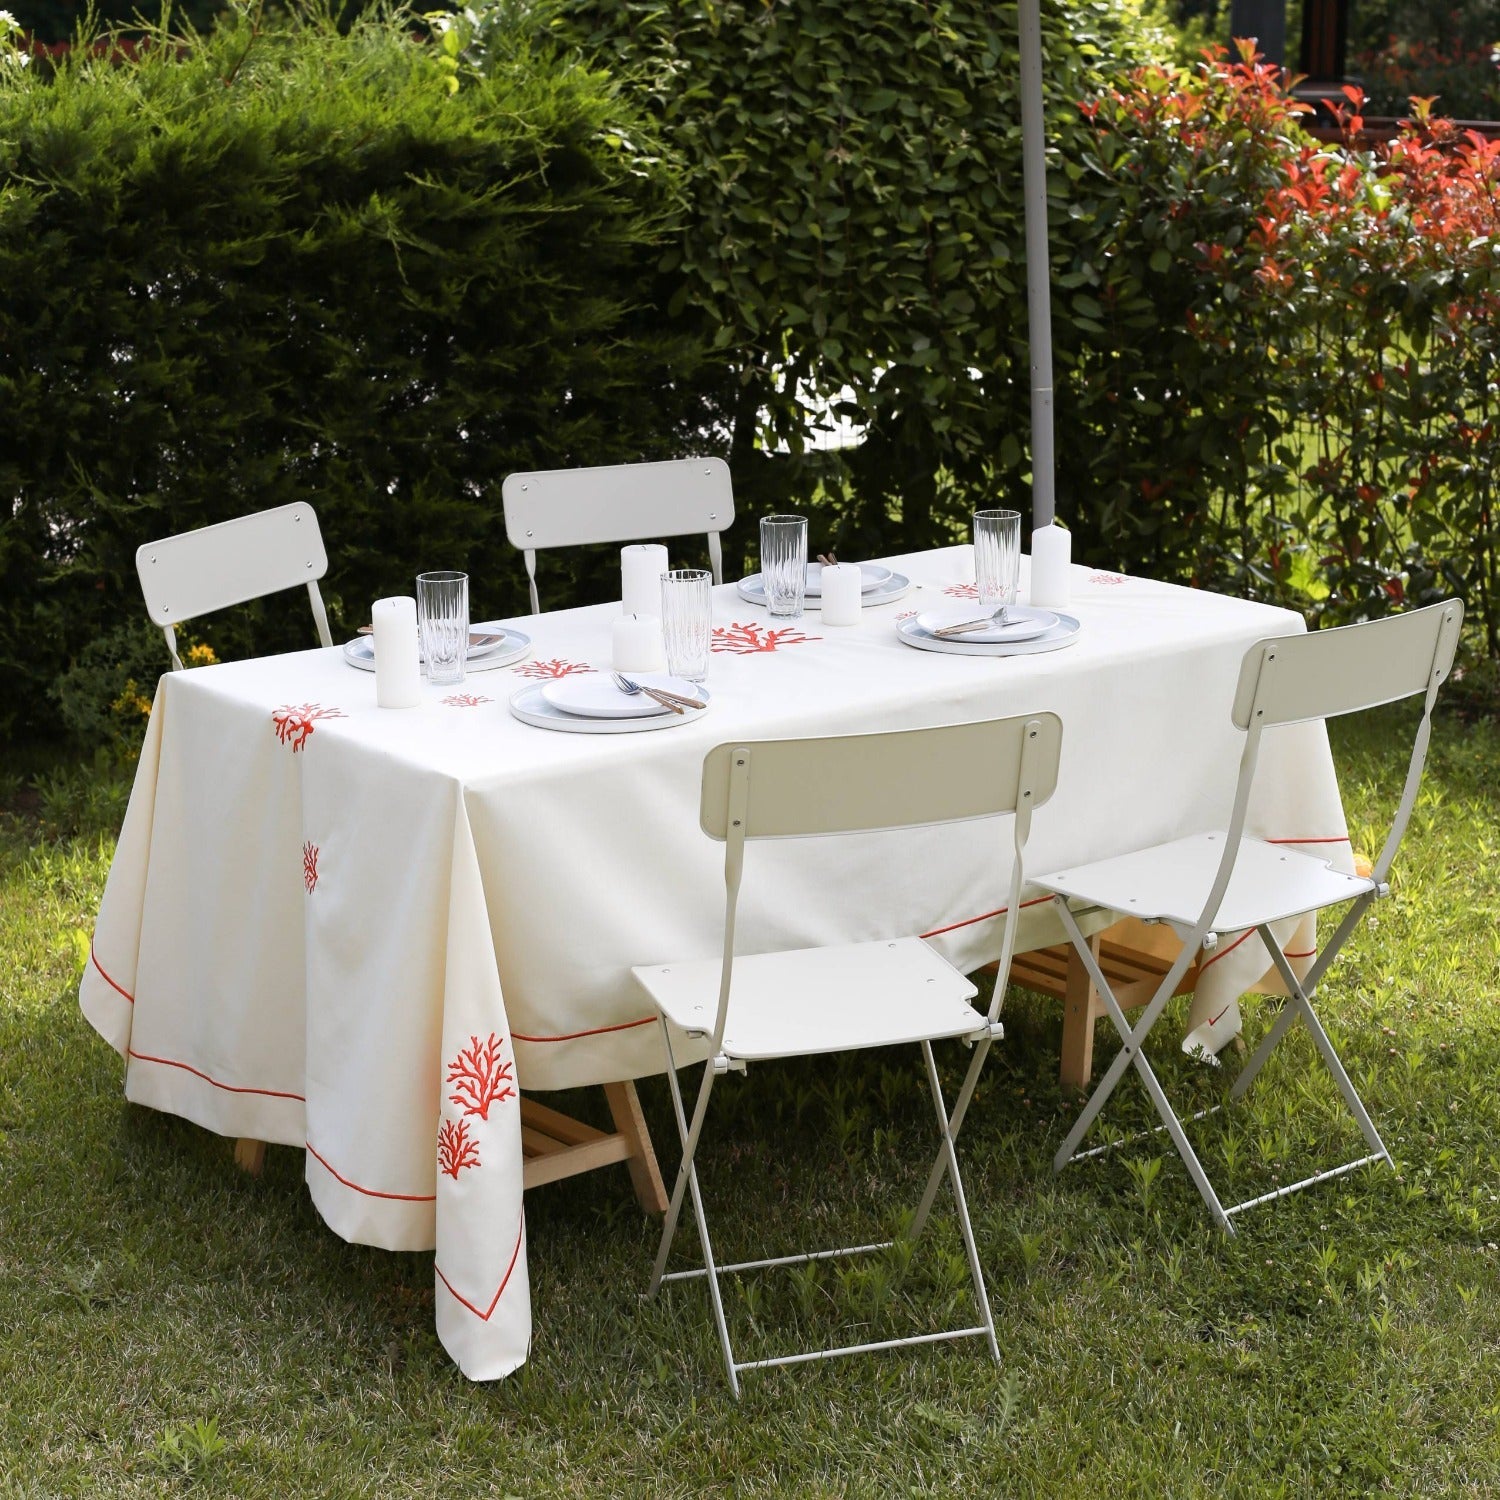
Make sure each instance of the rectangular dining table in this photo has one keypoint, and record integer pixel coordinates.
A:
(363, 932)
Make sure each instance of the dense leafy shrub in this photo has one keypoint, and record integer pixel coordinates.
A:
(855, 232)
(1309, 335)
(280, 263)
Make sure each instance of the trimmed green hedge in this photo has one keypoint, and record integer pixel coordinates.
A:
(279, 263)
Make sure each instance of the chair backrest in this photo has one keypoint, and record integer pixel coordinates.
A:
(1326, 673)
(617, 503)
(853, 783)
(1331, 672)
(197, 572)
(856, 783)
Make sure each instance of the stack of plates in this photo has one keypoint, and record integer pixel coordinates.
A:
(501, 645)
(1025, 632)
(590, 703)
(880, 586)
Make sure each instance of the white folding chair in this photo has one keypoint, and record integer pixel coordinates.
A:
(617, 503)
(837, 999)
(197, 572)
(1212, 884)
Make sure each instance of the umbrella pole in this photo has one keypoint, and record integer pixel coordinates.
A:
(1038, 279)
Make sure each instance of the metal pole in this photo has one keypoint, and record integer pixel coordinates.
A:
(1038, 279)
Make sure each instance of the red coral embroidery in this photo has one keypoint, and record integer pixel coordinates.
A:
(745, 640)
(557, 667)
(906, 614)
(294, 725)
(1108, 578)
(962, 590)
(456, 1150)
(481, 1077)
(310, 852)
(465, 700)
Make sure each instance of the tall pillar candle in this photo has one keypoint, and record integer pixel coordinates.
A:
(641, 567)
(1051, 567)
(843, 587)
(398, 668)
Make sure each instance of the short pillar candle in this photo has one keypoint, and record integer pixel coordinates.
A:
(842, 587)
(637, 644)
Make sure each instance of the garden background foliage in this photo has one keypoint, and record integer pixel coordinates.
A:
(379, 268)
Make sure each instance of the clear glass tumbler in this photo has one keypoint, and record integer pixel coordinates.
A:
(686, 621)
(443, 624)
(997, 557)
(783, 563)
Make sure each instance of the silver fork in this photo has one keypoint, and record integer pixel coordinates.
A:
(964, 626)
(667, 700)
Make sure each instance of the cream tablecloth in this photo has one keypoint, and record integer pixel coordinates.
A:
(360, 932)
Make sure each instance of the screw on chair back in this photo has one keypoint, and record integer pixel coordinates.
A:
(617, 503)
(197, 572)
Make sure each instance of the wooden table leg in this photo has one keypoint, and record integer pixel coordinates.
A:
(1080, 1007)
(645, 1174)
(250, 1156)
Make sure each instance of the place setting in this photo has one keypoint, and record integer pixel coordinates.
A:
(788, 583)
(429, 634)
(995, 624)
(658, 657)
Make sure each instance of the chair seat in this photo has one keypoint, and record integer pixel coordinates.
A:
(1171, 882)
(820, 999)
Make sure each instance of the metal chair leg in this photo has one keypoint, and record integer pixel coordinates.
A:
(1300, 998)
(954, 1124)
(687, 1178)
(1131, 1054)
(966, 1229)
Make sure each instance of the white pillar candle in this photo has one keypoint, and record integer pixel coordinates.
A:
(398, 668)
(641, 567)
(1051, 567)
(843, 586)
(637, 644)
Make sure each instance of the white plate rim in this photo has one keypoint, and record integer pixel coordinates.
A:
(866, 569)
(542, 715)
(1027, 614)
(629, 707)
(497, 656)
(1065, 633)
(897, 586)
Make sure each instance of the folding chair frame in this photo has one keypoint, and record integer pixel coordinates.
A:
(1033, 785)
(1260, 701)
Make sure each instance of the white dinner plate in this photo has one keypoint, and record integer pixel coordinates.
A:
(872, 575)
(893, 588)
(1022, 623)
(1064, 633)
(530, 706)
(594, 695)
(513, 645)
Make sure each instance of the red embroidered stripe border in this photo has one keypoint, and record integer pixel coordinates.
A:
(970, 921)
(368, 1192)
(94, 958)
(515, 1255)
(571, 1036)
(229, 1088)
(1210, 962)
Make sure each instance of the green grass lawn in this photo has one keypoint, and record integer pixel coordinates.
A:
(170, 1326)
